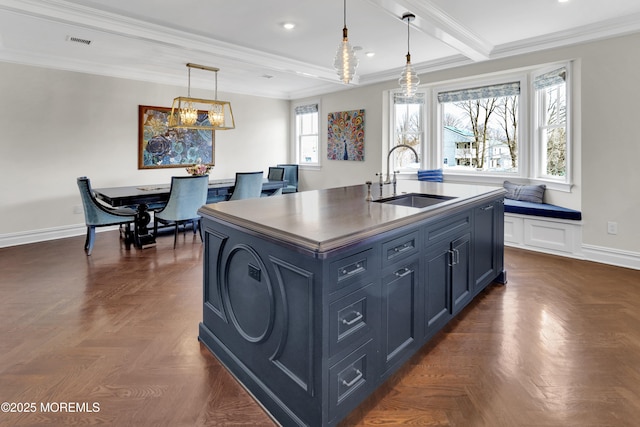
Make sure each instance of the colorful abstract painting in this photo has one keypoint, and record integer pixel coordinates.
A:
(345, 137)
(162, 147)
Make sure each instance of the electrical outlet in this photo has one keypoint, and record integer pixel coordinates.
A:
(77, 209)
(612, 227)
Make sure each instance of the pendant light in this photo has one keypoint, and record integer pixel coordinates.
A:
(409, 80)
(198, 113)
(345, 62)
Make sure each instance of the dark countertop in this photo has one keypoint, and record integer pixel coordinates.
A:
(324, 220)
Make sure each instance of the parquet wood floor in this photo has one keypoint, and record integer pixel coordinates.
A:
(558, 346)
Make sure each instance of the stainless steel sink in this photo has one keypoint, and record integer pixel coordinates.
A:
(415, 200)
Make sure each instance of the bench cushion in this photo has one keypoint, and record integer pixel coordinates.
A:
(540, 209)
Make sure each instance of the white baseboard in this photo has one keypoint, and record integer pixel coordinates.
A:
(561, 237)
(611, 256)
(42, 235)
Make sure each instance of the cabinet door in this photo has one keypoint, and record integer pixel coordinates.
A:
(461, 278)
(437, 280)
(399, 313)
(485, 254)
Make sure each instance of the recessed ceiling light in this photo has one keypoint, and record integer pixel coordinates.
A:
(563, 1)
(370, 54)
(288, 25)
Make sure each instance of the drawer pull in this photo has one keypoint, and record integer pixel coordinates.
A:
(357, 378)
(352, 269)
(487, 208)
(402, 272)
(358, 317)
(403, 247)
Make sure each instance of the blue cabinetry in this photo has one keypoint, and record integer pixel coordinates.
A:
(311, 335)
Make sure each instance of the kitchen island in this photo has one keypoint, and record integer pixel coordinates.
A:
(313, 299)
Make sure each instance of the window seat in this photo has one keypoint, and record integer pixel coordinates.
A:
(543, 227)
(540, 209)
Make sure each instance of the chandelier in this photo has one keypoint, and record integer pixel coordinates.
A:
(198, 113)
(408, 80)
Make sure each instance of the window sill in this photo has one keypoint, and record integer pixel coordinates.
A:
(498, 180)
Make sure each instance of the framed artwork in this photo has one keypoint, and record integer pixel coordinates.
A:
(345, 136)
(162, 147)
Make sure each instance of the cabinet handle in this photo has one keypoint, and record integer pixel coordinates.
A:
(487, 208)
(356, 319)
(403, 272)
(354, 380)
(451, 258)
(457, 260)
(354, 268)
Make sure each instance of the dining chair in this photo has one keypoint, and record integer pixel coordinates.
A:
(248, 185)
(275, 173)
(291, 175)
(186, 196)
(98, 215)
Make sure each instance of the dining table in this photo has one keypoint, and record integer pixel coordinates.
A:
(149, 197)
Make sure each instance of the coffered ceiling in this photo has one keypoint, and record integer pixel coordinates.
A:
(152, 40)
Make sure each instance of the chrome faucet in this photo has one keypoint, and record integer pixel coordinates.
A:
(389, 157)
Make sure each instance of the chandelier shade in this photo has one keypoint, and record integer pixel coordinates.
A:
(199, 113)
(345, 61)
(409, 79)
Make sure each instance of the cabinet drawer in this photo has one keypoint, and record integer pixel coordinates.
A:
(447, 228)
(352, 317)
(351, 269)
(351, 380)
(399, 248)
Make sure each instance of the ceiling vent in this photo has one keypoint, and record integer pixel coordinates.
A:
(78, 40)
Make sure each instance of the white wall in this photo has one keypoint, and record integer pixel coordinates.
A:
(58, 125)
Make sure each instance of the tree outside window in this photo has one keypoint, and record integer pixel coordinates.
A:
(480, 128)
(408, 119)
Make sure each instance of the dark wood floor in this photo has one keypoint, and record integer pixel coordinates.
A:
(558, 346)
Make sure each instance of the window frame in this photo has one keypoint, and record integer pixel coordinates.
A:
(297, 149)
(523, 146)
(529, 157)
(536, 128)
(392, 131)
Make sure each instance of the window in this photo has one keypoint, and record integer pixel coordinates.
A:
(551, 124)
(307, 139)
(408, 123)
(514, 124)
(479, 128)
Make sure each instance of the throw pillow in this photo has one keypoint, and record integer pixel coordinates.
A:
(434, 175)
(525, 193)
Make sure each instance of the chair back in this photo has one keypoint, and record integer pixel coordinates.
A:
(187, 195)
(291, 175)
(94, 212)
(275, 173)
(248, 185)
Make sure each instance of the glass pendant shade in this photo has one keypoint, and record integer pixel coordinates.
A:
(199, 113)
(409, 80)
(346, 61)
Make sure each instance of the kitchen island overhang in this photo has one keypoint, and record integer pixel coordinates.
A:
(313, 299)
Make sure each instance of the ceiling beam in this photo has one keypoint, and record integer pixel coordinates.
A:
(435, 22)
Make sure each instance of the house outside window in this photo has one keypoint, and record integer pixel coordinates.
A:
(480, 128)
(306, 134)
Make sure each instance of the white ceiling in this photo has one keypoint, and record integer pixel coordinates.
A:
(152, 40)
